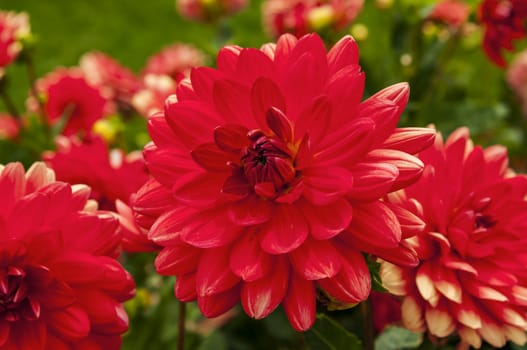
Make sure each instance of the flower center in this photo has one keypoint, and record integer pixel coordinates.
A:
(268, 161)
(484, 221)
(15, 303)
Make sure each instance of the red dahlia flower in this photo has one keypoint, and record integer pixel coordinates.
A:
(60, 286)
(101, 70)
(13, 27)
(267, 176)
(175, 60)
(504, 22)
(300, 17)
(471, 278)
(68, 95)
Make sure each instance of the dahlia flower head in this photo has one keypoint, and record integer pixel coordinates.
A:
(504, 22)
(451, 12)
(267, 174)
(471, 277)
(112, 175)
(209, 10)
(161, 75)
(300, 17)
(13, 27)
(50, 231)
(71, 99)
(104, 72)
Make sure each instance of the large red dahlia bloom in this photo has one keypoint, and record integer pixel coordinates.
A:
(267, 176)
(60, 286)
(471, 278)
(504, 22)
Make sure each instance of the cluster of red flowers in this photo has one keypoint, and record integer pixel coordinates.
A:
(269, 181)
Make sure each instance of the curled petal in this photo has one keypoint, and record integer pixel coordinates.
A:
(300, 303)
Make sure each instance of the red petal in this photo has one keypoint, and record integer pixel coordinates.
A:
(203, 79)
(253, 64)
(286, 230)
(232, 101)
(314, 120)
(199, 188)
(248, 260)
(213, 275)
(411, 224)
(185, 287)
(177, 259)
(325, 185)
(37, 176)
(410, 140)
(300, 303)
(352, 284)
(228, 58)
(264, 95)
(345, 90)
(344, 53)
(72, 322)
(374, 225)
(210, 158)
(217, 304)
(315, 260)
(372, 180)
(279, 124)
(12, 186)
(259, 298)
(410, 167)
(327, 221)
(160, 131)
(231, 137)
(252, 210)
(167, 164)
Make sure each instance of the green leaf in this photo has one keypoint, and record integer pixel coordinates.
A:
(215, 341)
(327, 334)
(395, 338)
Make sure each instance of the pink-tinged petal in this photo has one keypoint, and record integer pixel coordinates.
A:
(480, 291)
(372, 180)
(314, 120)
(232, 102)
(211, 158)
(160, 131)
(439, 321)
(218, 304)
(264, 95)
(300, 303)
(325, 185)
(167, 164)
(198, 188)
(447, 283)
(374, 225)
(315, 260)
(38, 175)
(397, 93)
(249, 211)
(248, 260)
(425, 284)
(403, 255)
(410, 167)
(231, 137)
(34, 206)
(212, 277)
(497, 161)
(352, 284)
(410, 140)
(191, 121)
(286, 230)
(284, 46)
(344, 53)
(259, 298)
(279, 124)
(185, 287)
(177, 259)
(269, 49)
(347, 145)
(467, 313)
(327, 221)
(203, 79)
(184, 91)
(253, 64)
(12, 186)
(72, 322)
(228, 58)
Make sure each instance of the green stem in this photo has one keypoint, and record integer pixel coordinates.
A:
(181, 325)
(369, 331)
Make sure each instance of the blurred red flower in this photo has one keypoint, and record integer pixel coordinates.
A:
(300, 17)
(9, 127)
(60, 286)
(471, 278)
(267, 176)
(504, 22)
(107, 74)
(210, 10)
(13, 27)
(69, 98)
(451, 12)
